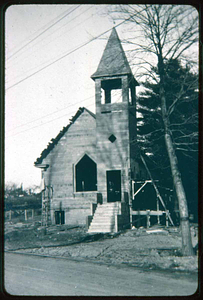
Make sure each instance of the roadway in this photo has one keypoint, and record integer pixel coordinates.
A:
(40, 276)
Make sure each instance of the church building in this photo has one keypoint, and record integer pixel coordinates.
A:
(87, 170)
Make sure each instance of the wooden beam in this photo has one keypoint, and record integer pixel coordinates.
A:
(134, 194)
(157, 191)
(145, 212)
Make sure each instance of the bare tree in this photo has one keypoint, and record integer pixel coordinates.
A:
(181, 84)
(165, 32)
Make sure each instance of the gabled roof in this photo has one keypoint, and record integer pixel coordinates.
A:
(55, 140)
(113, 61)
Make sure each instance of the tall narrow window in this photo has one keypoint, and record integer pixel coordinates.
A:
(86, 175)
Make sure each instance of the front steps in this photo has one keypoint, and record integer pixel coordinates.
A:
(104, 218)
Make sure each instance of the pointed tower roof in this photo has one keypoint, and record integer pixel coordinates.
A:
(113, 61)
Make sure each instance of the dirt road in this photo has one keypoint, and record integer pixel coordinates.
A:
(37, 275)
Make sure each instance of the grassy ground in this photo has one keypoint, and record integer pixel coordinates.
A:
(156, 248)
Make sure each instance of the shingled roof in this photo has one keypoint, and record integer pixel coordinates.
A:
(55, 140)
(113, 61)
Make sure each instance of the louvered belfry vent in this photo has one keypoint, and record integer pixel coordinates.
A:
(112, 138)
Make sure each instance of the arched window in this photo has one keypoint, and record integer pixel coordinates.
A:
(86, 175)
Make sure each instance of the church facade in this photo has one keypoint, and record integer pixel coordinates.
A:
(93, 160)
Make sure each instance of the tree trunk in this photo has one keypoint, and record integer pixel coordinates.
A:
(187, 248)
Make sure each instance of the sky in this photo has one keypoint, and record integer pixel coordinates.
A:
(51, 54)
(48, 69)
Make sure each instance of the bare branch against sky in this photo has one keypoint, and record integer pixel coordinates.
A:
(51, 52)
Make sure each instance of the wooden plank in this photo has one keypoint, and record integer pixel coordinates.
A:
(145, 212)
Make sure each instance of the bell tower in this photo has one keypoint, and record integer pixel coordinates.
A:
(115, 122)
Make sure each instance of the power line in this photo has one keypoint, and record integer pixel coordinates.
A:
(13, 63)
(42, 124)
(43, 32)
(50, 114)
(72, 51)
(119, 98)
(39, 30)
(16, 77)
(55, 113)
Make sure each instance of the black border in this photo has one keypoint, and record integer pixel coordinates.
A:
(3, 6)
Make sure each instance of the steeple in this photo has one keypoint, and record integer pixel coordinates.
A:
(113, 61)
(115, 100)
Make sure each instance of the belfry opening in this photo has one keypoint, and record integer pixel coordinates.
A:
(112, 91)
(92, 166)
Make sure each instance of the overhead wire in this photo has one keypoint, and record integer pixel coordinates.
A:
(16, 77)
(42, 32)
(70, 52)
(39, 30)
(19, 61)
(42, 117)
(43, 123)
(118, 100)
(72, 104)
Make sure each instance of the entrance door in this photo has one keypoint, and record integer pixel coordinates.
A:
(113, 185)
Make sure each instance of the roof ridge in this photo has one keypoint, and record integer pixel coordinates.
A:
(54, 141)
(90, 112)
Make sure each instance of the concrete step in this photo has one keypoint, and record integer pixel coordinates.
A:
(108, 205)
(99, 231)
(107, 208)
(97, 224)
(104, 218)
(101, 228)
(105, 214)
(102, 224)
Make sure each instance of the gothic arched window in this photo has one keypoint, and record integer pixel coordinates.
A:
(86, 175)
